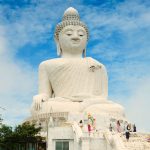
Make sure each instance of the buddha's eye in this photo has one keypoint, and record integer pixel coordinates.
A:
(69, 33)
(81, 33)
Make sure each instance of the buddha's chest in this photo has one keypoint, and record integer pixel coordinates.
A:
(76, 74)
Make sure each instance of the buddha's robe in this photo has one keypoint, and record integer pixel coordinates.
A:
(75, 85)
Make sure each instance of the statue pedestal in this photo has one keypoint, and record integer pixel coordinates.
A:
(63, 129)
(67, 137)
(60, 137)
(69, 133)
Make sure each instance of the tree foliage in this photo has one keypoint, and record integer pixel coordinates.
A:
(26, 130)
(24, 133)
(5, 132)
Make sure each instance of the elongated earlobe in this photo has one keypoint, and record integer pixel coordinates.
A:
(59, 51)
(84, 52)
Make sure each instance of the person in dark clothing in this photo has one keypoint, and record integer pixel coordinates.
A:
(128, 132)
(110, 128)
(81, 124)
(134, 128)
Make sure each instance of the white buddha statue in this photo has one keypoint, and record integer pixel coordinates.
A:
(73, 82)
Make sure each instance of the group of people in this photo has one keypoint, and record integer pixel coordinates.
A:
(129, 128)
(125, 127)
(117, 127)
(91, 123)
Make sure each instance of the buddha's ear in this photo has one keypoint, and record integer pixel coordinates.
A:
(84, 52)
(59, 51)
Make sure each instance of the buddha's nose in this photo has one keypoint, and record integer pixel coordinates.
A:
(75, 39)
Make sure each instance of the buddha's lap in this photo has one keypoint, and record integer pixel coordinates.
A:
(61, 105)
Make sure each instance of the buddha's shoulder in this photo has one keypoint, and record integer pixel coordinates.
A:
(50, 62)
(92, 60)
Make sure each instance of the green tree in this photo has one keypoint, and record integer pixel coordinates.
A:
(5, 132)
(21, 135)
(26, 130)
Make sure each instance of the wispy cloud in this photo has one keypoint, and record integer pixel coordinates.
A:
(17, 81)
(137, 108)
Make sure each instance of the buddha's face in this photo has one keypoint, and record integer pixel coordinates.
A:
(73, 39)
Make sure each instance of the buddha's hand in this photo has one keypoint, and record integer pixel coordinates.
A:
(37, 101)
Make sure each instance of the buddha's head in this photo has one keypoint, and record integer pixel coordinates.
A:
(71, 34)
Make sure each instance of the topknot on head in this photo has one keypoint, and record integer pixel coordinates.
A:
(71, 14)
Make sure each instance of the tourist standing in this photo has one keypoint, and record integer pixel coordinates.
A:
(118, 126)
(110, 128)
(128, 132)
(89, 127)
(90, 121)
(134, 128)
(94, 124)
(81, 124)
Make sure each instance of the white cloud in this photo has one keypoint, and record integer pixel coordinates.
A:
(137, 108)
(17, 83)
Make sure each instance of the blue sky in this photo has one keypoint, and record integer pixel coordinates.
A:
(119, 38)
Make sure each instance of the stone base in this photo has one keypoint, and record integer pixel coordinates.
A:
(64, 135)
